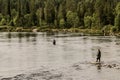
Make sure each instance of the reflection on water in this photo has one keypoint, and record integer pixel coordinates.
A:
(9, 35)
(32, 50)
(20, 35)
(99, 66)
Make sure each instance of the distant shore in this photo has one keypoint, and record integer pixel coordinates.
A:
(70, 30)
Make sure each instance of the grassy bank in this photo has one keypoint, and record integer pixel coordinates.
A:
(51, 29)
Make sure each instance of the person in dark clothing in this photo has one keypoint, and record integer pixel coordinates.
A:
(54, 42)
(98, 56)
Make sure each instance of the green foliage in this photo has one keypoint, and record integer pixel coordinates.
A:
(113, 29)
(72, 19)
(60, 13)
(34, 19)
(27, 20)
(3, 22)
(88, 21)
(13, 13)
(49, 12)
(76, 22)
(17, 21)
(96, 20)
(11, 23)
(109, 29)
(62, 23)
(117, 18)
(117, 21)
(1, 16)
(39, 16)
(117, 9)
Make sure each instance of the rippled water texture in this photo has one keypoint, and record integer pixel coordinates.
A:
(22, 52)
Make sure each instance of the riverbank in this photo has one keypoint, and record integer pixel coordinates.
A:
(55, 30)
(77, 71)
(38, 29)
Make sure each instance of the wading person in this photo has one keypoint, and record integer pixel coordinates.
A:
(54, 42)
(98, 56)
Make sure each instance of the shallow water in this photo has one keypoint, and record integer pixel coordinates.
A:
(22, 52)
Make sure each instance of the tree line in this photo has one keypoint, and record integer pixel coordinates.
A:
(61, 13)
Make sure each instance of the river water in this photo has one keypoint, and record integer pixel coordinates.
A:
(22, 52)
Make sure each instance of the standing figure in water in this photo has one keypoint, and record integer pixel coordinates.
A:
(54, 42)
(98, 55)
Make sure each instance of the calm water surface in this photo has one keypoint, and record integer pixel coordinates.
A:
(26, 51)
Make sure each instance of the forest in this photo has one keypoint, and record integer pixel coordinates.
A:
(61, 14)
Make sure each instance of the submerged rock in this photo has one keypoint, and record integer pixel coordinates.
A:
(109, 66)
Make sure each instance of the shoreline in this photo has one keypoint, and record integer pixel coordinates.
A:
(55, 30)
(97, 32)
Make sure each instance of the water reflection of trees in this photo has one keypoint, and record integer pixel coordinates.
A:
(9, 37)
(30, 37)
(99, 66)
